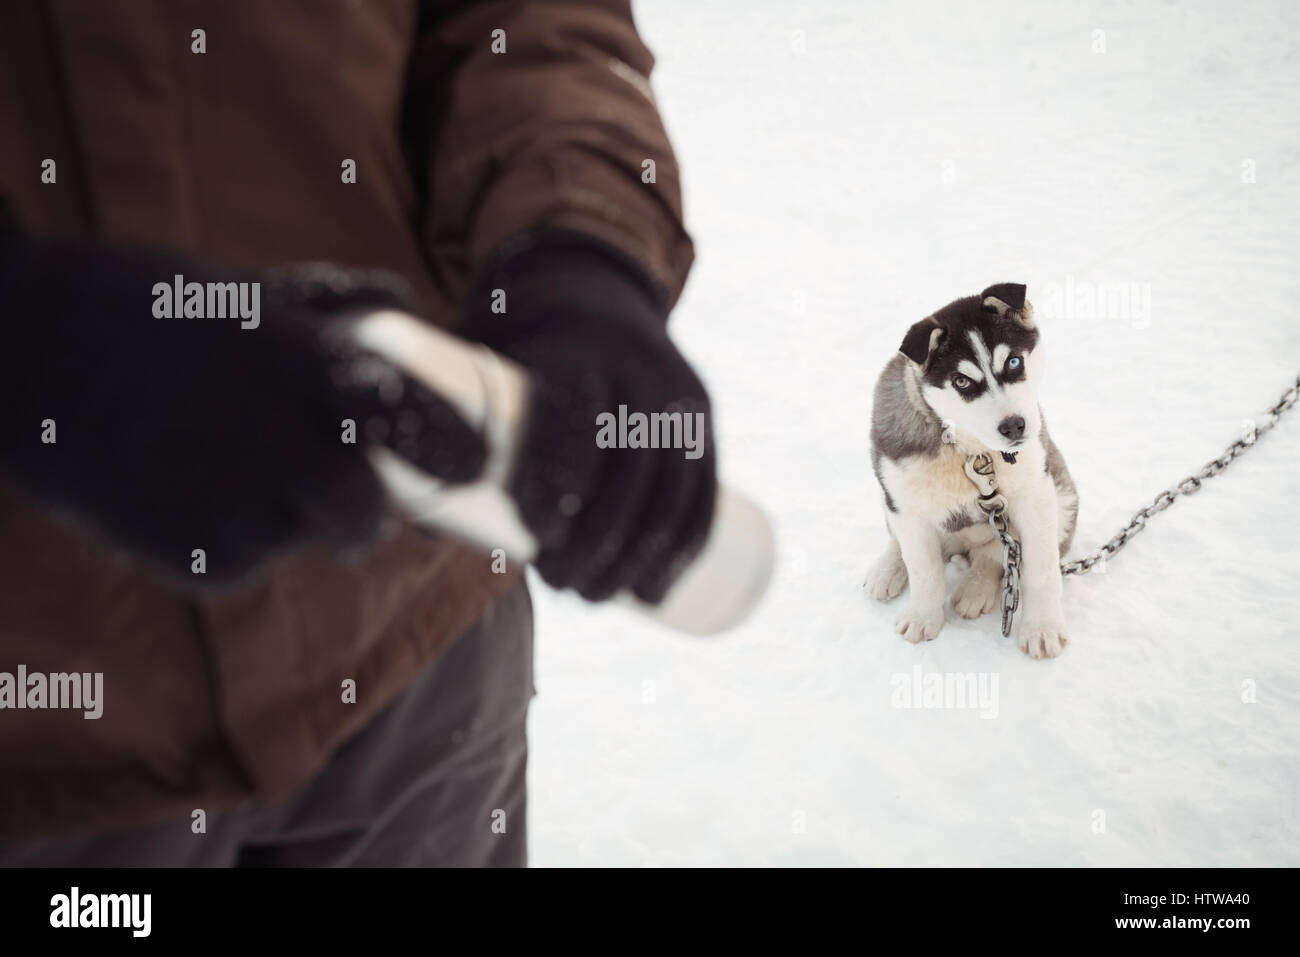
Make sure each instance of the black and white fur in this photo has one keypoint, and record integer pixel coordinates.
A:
(954, 389)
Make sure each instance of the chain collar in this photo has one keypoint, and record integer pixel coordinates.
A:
(979, 469)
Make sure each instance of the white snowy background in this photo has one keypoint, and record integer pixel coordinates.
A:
(849, 167)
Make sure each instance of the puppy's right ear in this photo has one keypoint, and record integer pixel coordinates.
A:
(921, 340)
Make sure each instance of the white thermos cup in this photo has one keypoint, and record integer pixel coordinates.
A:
(718, 590)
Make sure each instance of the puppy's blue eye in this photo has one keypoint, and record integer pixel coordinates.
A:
(1013, 362)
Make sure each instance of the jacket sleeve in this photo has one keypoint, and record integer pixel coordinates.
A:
(537, 115)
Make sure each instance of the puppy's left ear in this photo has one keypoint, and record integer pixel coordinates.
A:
(922, 339)
(1008, 298)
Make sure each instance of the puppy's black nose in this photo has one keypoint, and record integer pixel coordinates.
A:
(1012, 427)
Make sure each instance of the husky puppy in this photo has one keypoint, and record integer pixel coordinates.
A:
(966, 381)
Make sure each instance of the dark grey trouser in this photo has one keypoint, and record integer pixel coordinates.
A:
(437, 779)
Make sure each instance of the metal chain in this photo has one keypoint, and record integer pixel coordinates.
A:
(979, 469)
(1081, 566)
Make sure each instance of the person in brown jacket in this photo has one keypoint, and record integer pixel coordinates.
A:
(284, 672)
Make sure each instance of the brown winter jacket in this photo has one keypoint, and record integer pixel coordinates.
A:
(236, 154)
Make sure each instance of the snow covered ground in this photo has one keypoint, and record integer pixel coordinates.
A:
(849, 168)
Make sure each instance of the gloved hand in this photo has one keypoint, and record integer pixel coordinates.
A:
(589, 325)
(173, 434)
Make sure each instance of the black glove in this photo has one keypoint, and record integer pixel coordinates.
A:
(589, 324)
(174, 434)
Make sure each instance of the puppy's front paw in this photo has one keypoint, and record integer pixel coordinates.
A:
(1043, 639)
(920, 624)
(887, 578)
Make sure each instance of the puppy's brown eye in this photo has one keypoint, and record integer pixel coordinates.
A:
(960, 382)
